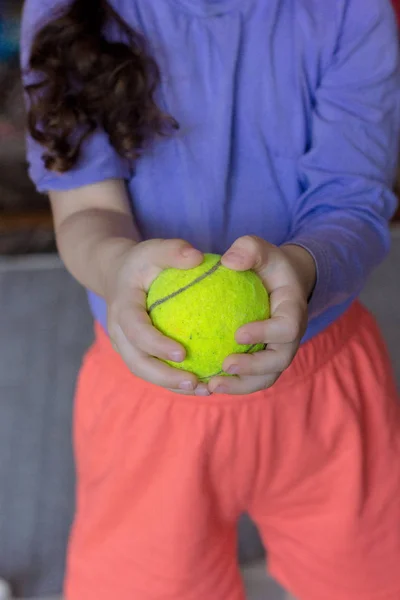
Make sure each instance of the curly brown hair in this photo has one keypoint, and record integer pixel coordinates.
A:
(88, 81)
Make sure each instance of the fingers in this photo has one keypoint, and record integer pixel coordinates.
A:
(275, 359)
(129, 315)
(163, 375)
(140, 332)
(201, 390)
(248, 252)
(277, 330)
(241, 385)
(271, 264)
(130, 328)
(287, 325)
(151, 369)
(154, 371)
(141, 345)
(281, 333)
(154, 256)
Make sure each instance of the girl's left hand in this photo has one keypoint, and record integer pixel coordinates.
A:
(289, 274)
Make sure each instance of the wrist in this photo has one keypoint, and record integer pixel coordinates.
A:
(304, 264)
(110, 256)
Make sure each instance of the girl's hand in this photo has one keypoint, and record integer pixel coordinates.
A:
(130, 328)
(289, 274)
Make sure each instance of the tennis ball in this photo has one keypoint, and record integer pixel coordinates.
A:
(202, 308)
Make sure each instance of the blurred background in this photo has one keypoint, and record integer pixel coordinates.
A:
(45, 327)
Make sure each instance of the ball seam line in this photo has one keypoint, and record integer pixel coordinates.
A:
(185, 288)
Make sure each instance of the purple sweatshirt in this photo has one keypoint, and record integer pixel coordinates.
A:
(290, 121)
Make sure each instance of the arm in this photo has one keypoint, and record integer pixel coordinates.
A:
(347, 175)
(94, 230)
(340, 228)
(98, 242)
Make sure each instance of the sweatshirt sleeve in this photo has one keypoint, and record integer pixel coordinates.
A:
(347, 175)
(98, 161)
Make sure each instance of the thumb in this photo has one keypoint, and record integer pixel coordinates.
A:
(156, 255)
(249, 252)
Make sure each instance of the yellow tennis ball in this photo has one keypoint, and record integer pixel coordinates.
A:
(202, 308)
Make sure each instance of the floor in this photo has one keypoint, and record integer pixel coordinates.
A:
(45, 327)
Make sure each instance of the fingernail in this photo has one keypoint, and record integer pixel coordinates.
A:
(244, 338)
(186, 385)
(188, 251)
(234, 256)
(233, 370)
(176, 357)
(202, 391)
(221, 389)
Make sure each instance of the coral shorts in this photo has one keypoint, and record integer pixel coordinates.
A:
(315, 460)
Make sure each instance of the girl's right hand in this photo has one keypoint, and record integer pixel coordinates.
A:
(130, 329)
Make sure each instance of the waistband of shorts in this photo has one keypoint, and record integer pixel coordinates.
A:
(312, 356)
(319, 350)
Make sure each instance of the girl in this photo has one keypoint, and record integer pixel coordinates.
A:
(266, 130)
